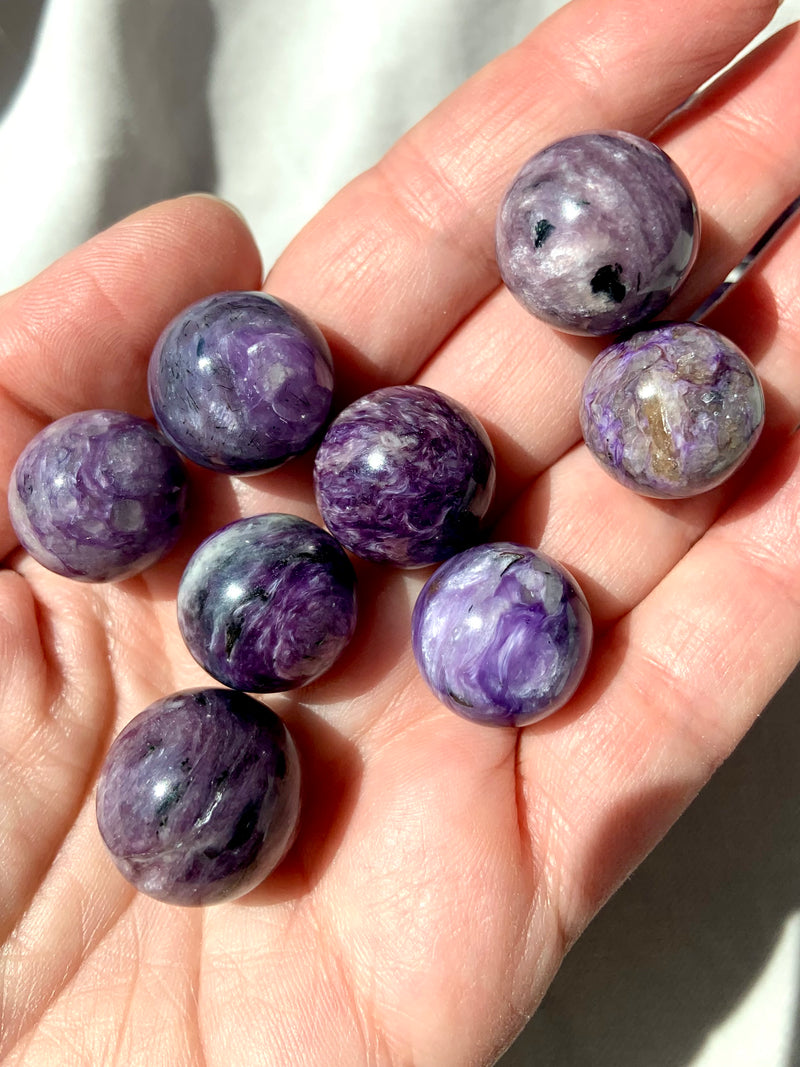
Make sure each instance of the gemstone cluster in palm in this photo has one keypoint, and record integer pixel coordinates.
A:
(199, 797)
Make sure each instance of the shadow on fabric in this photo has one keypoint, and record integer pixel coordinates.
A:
(19, 27)
(165, 143)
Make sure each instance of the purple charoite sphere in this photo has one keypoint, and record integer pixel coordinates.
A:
(673, 410)
(267, 603)
(502, 634)
(240, 382)
(597, 232)
(97, 495)
(404, 475)
(199, 796)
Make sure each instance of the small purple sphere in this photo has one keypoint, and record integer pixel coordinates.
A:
(673, 410)
(502, 634)
(240, 382)
(97, 496)
(199, 796)
(267, 603)
(597, 232)
(404, 475)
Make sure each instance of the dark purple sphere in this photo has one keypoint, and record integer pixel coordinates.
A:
(97, 495)
(267, 603)
(240, 382)
(672, 411)
(404, 475)
(597, 232)
(199, 796)
(502, 634)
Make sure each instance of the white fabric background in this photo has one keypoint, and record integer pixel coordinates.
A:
(271, 105)
(106, 105)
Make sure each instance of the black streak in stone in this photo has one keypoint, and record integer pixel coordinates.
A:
(173, 797)
(459, 700)
(607, 281)
(513, 557)
(233, 632)
(542, 232)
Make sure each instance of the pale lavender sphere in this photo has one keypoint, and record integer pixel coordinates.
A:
(267, 603)
(404, 475)
(199, 796)
(596, 232)
(672, 411)
(502, 634)
(241, 382)
(97, 496)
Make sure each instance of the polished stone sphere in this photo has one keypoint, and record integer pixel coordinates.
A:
(597, 232)
(267, 603)
(404, 475)
(502, 634)
(199, 796)
(240, 382)
(672, 411)
(97, 495)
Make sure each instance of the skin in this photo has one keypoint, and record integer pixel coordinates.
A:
(442, 869)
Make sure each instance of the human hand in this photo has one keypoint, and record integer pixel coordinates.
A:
(442, 868)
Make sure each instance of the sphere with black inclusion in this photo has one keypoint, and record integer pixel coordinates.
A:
(199, 796)
(240, 382)
(502, 634)
(98, 496)
(597, 232)
(267, 603)
(404, 475)
(673, 410)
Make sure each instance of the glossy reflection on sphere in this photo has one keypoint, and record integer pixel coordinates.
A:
(404, 475)
(240, 382)
(199, 796)
(502, 634)
(267, 603)
(597, 232)
(672, 411)
(97, 496)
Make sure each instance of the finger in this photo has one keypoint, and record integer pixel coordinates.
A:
(78, 662)
(397, 259)
(676, 685)
(79, 335)
(55, 689)
(525, 379)
(88, 932)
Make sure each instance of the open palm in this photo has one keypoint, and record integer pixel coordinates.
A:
(442, 868)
